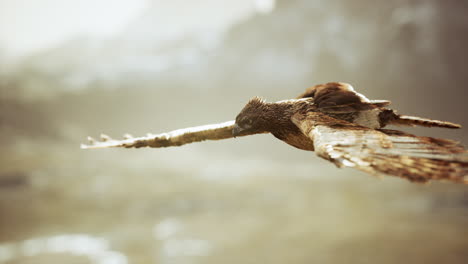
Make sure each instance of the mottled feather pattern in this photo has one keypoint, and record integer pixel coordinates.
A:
(417, 159)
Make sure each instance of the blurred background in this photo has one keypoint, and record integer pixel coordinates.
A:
(72, 68)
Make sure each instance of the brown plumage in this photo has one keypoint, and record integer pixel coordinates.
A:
(341, 126)
(345, 127)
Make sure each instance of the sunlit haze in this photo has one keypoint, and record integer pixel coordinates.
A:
(133, 69)
(24, 31)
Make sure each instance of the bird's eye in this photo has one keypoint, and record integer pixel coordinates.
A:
(249, 122)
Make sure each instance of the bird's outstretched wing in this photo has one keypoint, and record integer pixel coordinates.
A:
(391, 152)
(171, 139)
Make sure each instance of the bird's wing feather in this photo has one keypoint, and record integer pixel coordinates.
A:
(171, 139)
(338, 97)
(391, 152)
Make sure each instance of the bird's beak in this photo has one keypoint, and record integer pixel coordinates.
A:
(236, 130)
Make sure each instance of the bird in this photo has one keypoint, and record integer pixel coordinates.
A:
(341, 126)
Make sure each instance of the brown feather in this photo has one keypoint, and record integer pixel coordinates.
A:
(425, 122)
(396, 153)
(340, 97)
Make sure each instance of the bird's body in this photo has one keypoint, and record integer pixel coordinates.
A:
(338, 101)
(341, 126)
(282, 127)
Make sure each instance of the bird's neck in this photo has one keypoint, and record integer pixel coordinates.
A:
(278, 115)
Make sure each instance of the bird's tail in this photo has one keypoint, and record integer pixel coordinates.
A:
(390, 117)
(419, 121)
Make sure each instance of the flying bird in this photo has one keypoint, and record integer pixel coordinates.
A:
(340, 125)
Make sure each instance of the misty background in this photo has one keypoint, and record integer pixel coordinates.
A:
(70, 68)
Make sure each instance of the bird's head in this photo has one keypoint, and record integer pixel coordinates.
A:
(252, 117)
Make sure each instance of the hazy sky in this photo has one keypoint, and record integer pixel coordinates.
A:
(31, 25)
(27, 25)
